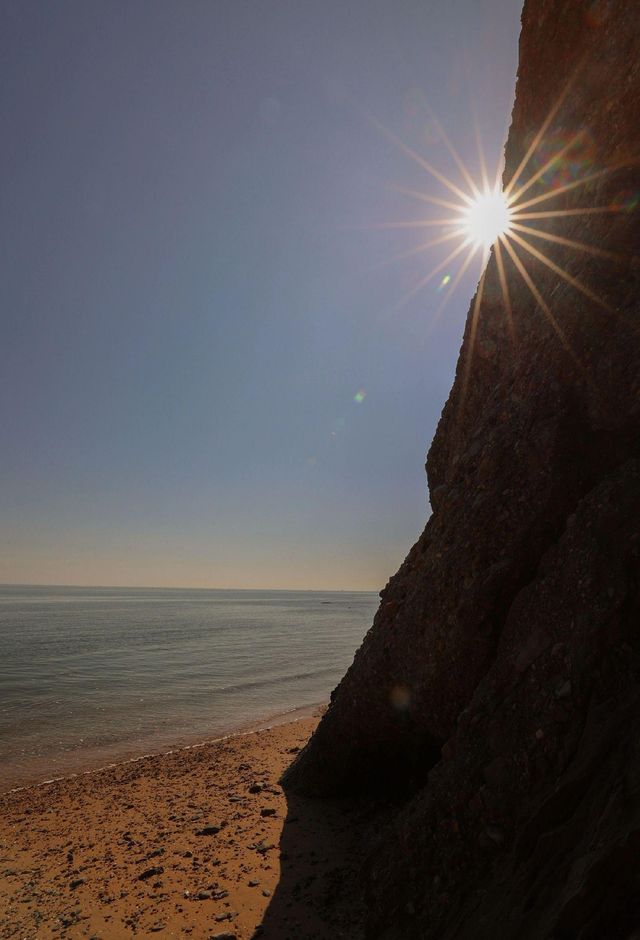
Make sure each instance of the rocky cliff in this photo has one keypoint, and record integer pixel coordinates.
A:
(497, 695)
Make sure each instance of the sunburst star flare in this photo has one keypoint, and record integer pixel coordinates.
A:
(487, 218)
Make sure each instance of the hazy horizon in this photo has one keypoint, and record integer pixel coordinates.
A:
(182, 587)
(207, 377)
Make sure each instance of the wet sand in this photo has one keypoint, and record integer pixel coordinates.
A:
(200, 842)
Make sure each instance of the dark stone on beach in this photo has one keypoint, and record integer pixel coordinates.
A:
(256, 788)
(563, 690)
(150, 872)
(203, 895)
(76, 883)
(495, 833)
(268, 811)
(263, 847)
(154, 854)
(223, 936)
(208, 831)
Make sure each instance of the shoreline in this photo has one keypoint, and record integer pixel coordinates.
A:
(200, 841)
(271, 721)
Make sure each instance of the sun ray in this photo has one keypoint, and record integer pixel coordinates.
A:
(544, 306)
(450, 291)
(423, 197)
(472, 338)
(547, 166)
(535, 143)
(564, 213)
(454, 154)
(428, 277)
(483, 163)
(517, 207)
(505, 291)
(569, 278)
(417, 223)
(421, 161)
(580, 367)
(569, 242)
(450, 147)
(423, 246)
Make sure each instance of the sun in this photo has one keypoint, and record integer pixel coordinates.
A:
(483, 220)
(487, 219)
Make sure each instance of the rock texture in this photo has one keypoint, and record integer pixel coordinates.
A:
(497, 694)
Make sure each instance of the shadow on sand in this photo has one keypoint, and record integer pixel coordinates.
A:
(319, 894)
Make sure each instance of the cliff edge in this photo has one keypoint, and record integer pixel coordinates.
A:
(497, 694)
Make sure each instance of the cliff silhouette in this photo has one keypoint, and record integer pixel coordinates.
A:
(495, 702)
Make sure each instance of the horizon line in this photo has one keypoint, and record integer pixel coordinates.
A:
(155, 587)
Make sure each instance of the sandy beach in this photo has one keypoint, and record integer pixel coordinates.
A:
(200, 842)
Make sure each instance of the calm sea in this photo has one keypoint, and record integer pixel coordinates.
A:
(90, 676)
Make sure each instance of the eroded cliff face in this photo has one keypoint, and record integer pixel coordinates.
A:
(498, 691)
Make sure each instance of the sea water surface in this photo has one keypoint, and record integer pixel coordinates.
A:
(89, 676)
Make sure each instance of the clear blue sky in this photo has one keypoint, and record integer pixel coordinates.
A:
(192, 294)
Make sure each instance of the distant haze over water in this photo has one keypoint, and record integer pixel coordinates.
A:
(90, 676)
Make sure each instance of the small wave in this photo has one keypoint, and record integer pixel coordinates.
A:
(273, 721)
(274, 680)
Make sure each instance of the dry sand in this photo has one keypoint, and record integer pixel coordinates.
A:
(201, 842)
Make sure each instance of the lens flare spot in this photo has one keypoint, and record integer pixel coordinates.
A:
(627, 201)
(400, 697)
(360, 396)
(487, 219)
(564, 157)
(443, 283)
